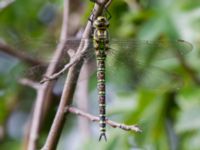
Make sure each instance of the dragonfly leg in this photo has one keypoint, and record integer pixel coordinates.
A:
(107, 14)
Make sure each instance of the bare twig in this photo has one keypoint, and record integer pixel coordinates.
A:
(45, 90)
(96, 119)
(29, 83)
(69, 87)
(22, 56)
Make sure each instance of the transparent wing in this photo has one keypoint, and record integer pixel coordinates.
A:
(147, 64)
(157, 50)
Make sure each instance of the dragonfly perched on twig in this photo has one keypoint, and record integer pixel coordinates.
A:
(131, 60)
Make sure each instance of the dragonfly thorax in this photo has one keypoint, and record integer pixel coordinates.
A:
(100, 32)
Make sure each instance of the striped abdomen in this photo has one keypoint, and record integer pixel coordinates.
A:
(101, 94)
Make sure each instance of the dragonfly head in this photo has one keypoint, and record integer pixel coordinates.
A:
(101, 23)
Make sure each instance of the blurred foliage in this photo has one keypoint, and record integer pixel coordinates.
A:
(169, 118)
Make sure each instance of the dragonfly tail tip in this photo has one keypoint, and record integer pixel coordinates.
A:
(102, 135)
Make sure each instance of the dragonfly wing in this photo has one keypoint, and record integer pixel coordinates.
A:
(151, 77)
(137, 62)
(160, 79)
(157, 50)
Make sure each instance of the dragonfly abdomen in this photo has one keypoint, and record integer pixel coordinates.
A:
(101, 95)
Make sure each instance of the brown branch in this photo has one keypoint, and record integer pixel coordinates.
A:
(69, 86)
(22, 56)
(44, 92)
(96, 119)
(29, 83)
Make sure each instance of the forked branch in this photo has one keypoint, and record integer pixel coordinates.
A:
(79, 55)
(73, 60)
(44, 93)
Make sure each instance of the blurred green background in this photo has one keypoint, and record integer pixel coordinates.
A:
(168, 117)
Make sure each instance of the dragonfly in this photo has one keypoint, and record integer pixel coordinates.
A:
(128, 59)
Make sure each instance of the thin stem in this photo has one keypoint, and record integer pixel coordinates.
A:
(29, 83)
(93, 118)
